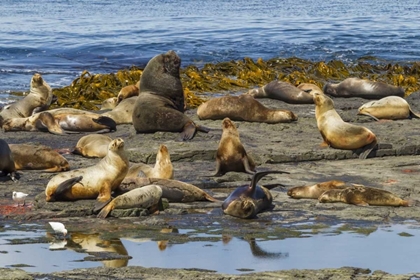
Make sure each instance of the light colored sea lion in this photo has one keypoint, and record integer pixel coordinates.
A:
(242, 108)
(163, 168)
(128, 91)
(339, 134)
(356, 87)
(364, 196)
(95, 181)
(231, 154)
(123, 113)
(92, 145)
(310, 88)
(390, 107)
(316, 190)
(247, 201)
(147, 197)
(109, 103)
(38, 157)
(7, 163)
(283, 91)
(160, 104)
(43, 121)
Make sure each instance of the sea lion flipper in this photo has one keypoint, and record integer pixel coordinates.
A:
(247, 167)
(369, 115)
(189, 131)
(66, 185)
(100, 205)
(107, 121)
(414, 115)
(367, 150)
(105, 211)
(257, 176)
(203, 128)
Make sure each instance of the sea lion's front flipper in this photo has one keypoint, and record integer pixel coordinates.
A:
(257, 176)
(66, 185)
(189, 131)
(99, 205)
(247, 167)
(106, 121)
(367, 150)
(203, 128)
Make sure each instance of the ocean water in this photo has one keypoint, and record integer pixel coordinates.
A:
(61, 38)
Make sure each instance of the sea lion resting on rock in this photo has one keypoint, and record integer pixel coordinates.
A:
(160, 104)
(7, 163)
(390, 107)
(128, 91)
(92, 145)
(123, 112)
(316, 190)
(95, 181)
(242, 108)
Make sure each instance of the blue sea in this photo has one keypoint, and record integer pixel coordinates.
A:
(60, 38)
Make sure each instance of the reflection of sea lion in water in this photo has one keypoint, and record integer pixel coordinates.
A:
(364, 196)
(93, 181)
(93, 145)
(160, 104)
(242, 108)
(7, 164)
(339, 134)
(128, 91)
(390, 107)
(356, 87)
(123, 112)
(316, 190)
(247, 201)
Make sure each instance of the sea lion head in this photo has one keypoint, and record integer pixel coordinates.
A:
(163, 154)
(323, 103)
(329, 89)
(228, 124)
(37, 80)
(109, 103)
(116, 144)
(242, 207)
(298, 192)
(282, 116)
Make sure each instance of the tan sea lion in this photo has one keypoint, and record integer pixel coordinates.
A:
(38, 157)
(123, 113)
(310, 88)
(147, 197)
(128, 91)
(364, 196)
(163, 168)
(231, 154)
(283, 91)
(356, 87)
(109, 103)
(390, 107)
(7, 163)
(160, 104)
(339, 134)
(92, 145)
(242, 108)
(93, 181)
(316, 190)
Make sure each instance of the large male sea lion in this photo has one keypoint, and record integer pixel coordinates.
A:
(7, 163)
(390, 107)
(242, 108)
(95, 181)
(316, 190)
(92, 145)
(356, 87)
(160, 104)
(339, 134)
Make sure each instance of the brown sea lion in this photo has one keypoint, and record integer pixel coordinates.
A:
(38, 157)
(160, 104)
(123, 112)
(283, 91)
(242, 108)
(316, 190)
(163, 168)
(128, 91)
(247, 201)
(231, 154)
(95, 181)
(390, 107)
(364, 196)
(109, 103)
(7, 163)
(339, 134)
(356, 87)
(92, 145)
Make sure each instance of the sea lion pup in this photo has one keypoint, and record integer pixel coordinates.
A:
(147, 197)
(160, 104)
(364, 196)
(97, 181)
(92, 145)
(339, 134)
(283, 91)
(316, 190)
(109, 103)
(356, 87)
(7, 163)
(123, 112)
(172, 190)
(310, 88)
(247, 201)
(231, 154)
(43, 121)
(163, 168)
(242, 108)
(38, 157)
(128, 91)
(390, 107)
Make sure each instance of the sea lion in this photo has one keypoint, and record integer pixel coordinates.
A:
(160, 104)
(163, 168)
(109, 103)
(283, 91)
(93, 181)
(43, 121)
(231, 154)
(147, 197)
(242, 108)
(92, 145)
(316, 190)
(356, 87)
(364, 196)
(7, 163)
(390, 107)
(310, 88)
(128, 91)
(38, 157)
(339, 134)
(123, 112)
(247, 201)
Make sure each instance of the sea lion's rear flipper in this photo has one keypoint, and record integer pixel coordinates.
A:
(46, 122)
(210, 198)
(155, 209)
(106, 121)
(272, 186)
(257, 176)
(203, 128)
(414, 115)
(409, 202)
(369, 115)
(107, 207)
(101, 204)
(367, 150)
(66, 185)
(189, 131)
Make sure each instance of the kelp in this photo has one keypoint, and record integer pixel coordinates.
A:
(89, 90)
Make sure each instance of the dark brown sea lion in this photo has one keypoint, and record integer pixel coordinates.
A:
(242, 108)
(247, 201)
(160, 104)
(92, 145)
(316, 190)
(356, 87)
(339, 134)
(7, 163)
(390, 108)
